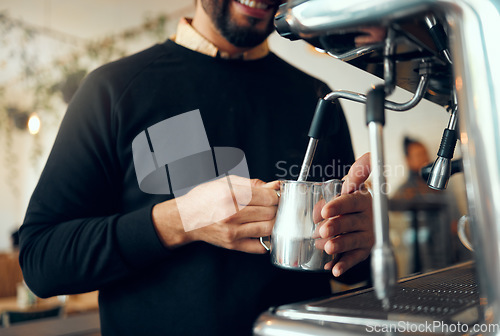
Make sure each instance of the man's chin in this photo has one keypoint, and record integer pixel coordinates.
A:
(244, 38)
(246, 30)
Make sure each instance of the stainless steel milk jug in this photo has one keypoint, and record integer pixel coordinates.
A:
(292, 245)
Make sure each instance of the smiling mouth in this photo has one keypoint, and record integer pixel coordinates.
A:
(254, 4)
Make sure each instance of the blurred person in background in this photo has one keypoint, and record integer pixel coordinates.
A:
(435, 211)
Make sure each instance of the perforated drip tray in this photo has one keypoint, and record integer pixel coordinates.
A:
(448, 295)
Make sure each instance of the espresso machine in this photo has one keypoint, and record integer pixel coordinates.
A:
(452, 47)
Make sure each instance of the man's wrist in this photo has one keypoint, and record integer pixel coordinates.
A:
(168, 225)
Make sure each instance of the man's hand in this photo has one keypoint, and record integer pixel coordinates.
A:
(219, 218)
(373, 34)
(347, 227)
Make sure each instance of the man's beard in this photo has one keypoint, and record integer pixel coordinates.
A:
(242, 37)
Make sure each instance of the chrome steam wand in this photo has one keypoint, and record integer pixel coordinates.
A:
(315, 132)
(383, 261)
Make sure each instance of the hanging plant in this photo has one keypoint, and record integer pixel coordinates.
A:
(46, 88)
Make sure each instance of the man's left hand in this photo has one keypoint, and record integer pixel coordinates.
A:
(347, 228)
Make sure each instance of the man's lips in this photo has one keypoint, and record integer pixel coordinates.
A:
(254, 4)
(257, 9)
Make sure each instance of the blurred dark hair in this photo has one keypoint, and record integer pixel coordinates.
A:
(15, 239)
(407, 142)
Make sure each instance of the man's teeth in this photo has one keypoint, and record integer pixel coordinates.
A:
(253, 4)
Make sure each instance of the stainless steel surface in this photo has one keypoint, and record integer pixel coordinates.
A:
(306, 164)
(383, 261)
(361, 98)
(318, 17)
(430, 20)
(424, 302)
(452, 123)
(472, 27)
(440, 173)
(292, 242)
(415, 41)
(475, 51)
(436, 295)
(355, 53)
(273, 325)
(389, 62)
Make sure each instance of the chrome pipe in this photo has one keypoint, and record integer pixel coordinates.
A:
(383, 261)
(306, 164)
(389, 62)
(355, 53)
(390, 105)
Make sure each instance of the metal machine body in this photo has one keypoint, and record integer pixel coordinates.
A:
(444, 302)
(473, 27)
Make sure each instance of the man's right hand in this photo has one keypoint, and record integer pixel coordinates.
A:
(214, 212)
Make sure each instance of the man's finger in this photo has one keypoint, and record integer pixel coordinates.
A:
(359, 172)
(235, 179)
(255, 229)
(348, 260)
(251, 214)
(344, 224)
(348, 242)
(358, 201)
(262, 196)
(272, 185)
(374, 34)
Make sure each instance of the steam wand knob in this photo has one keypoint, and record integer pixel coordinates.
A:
(441, 169)
(456, 167)
(439, 36)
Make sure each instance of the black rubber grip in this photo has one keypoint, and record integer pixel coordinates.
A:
(375, 105)
(448, 143)
(320, 119)
(439, 37)
(282, 26)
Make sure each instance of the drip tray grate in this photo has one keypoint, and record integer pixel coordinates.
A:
(438, 295)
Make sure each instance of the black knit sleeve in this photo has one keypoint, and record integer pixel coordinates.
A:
(75, 237)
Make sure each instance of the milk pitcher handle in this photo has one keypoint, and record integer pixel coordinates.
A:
(266, 242)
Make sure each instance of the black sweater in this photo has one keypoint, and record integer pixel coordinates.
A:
(88, 225)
